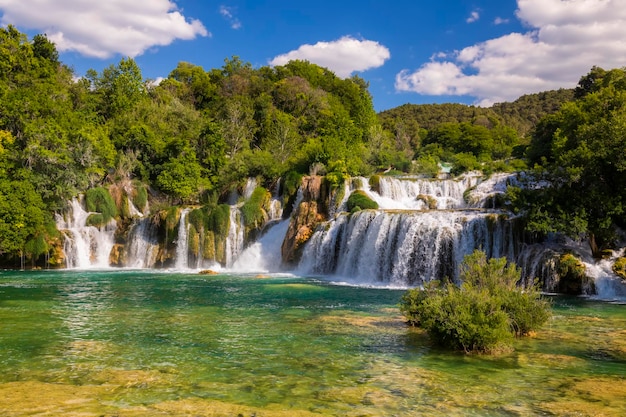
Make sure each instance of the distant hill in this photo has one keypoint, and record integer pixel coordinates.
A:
(521, 114)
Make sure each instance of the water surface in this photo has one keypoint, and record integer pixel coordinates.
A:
(139, 343)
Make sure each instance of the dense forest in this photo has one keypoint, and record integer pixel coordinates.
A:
(199, 134)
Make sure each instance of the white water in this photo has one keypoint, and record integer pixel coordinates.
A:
(263, 255)
(182, 242)
(143, 245)
(402, 248)
(235, 238)
(85, 246)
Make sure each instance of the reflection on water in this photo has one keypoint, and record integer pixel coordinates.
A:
(151, 344)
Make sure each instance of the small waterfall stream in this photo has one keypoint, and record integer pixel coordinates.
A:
(85, 246)
(182, 242)
(235, 238)
(143, 244)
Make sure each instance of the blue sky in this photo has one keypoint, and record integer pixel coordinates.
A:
(410, 51)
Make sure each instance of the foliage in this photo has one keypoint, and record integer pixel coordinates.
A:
(483, 314)
(99, 200)
(140, 196)
(23, 219)
(619, 267)
(218, 219)
(580, 151)
(358, 200)
(253, 211)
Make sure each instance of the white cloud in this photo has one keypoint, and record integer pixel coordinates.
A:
(565, 39)
(500, 21)
(227, 13)
(103, 28)
(473, 17)
(343, 56)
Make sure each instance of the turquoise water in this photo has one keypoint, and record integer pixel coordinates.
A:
(138, 343)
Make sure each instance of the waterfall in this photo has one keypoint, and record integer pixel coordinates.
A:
(264, 254)
(143, 245)
(251, 184)
(85, 246)
(235, 238)
(182, 242)
(403, 248)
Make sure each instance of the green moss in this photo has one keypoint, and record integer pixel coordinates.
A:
(252, 210)
(573, 277)
(198, 218)
(96, 220)
(218, 220)
(140, 196)
(619, 267)
(375, 183)
(99, 200)
(359, 200)
(172, 216)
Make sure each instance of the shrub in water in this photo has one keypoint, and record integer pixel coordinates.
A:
(484, 313)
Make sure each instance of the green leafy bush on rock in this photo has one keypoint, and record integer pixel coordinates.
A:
(483, 314)
(99, 200)
(358, 200)
(619, 267)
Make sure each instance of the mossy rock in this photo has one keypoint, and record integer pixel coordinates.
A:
(359, 200)
(573, 277)
(430, 201)
(375, 183)
(619, 267)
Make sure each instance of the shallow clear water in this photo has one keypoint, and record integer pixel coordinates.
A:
(138, 343)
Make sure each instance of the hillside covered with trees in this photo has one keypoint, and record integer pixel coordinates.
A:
(199, 134)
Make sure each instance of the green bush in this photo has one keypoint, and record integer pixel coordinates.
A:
(218, 220)
(140, 197)
(99, 200)
(95, 220)
(252, 210)
(483, 314)
(358, 200)
(619, 267)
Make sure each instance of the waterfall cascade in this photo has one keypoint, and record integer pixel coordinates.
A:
(143, 244)
(235, 238)
(182, 242)
(85, 246)
(421, 232)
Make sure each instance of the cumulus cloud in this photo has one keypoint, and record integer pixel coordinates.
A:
(228, 14)
(473, 17)
(565, 39)
(103, 28)
(343, 56)
(500, 21)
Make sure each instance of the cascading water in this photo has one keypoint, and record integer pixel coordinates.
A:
(143, 244)
(85, 246)
(264, 254)
(235, 238)
(182, 242)
(403, 248)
